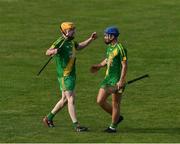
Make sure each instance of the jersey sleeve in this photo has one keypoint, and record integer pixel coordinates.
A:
(123, 53)
(76, 44)
(57, 43)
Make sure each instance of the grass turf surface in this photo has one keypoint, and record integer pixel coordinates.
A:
(150, 107)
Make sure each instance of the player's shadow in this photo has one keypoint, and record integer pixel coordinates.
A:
(151, 130)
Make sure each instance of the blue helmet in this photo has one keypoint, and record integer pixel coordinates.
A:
(112, 30)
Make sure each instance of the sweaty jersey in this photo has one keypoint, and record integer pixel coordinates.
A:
(66, 57)
(115, 54)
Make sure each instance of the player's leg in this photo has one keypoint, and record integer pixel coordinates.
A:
(70, 95)
(116, 117)
(61, 103)
(116, 99)
(68, 86)
(102, 100)
(48, 120)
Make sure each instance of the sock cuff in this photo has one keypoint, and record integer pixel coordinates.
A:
(50, 116)
(75, 124)
(113, 125)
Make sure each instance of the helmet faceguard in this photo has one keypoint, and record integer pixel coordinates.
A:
(110, 34)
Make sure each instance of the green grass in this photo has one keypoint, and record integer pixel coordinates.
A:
(150, 107)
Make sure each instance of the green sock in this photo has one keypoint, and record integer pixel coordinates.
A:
(50, 116)
(113, 125)
(75, 124)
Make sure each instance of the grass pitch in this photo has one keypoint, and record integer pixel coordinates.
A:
(150, 107)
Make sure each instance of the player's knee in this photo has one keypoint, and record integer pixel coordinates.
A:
(71, 100)
(64, 101)
(100, 102)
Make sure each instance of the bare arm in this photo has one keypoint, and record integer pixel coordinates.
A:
(97, 67)
(122, 80)
(87, 42)
(103, 63)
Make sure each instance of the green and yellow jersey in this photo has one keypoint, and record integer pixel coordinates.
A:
(65, 62)
(115, 54)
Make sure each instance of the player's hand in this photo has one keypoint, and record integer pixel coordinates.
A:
(94, 68)
(51, 51)
(54, 52)
(120, 85)
(93, 36)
